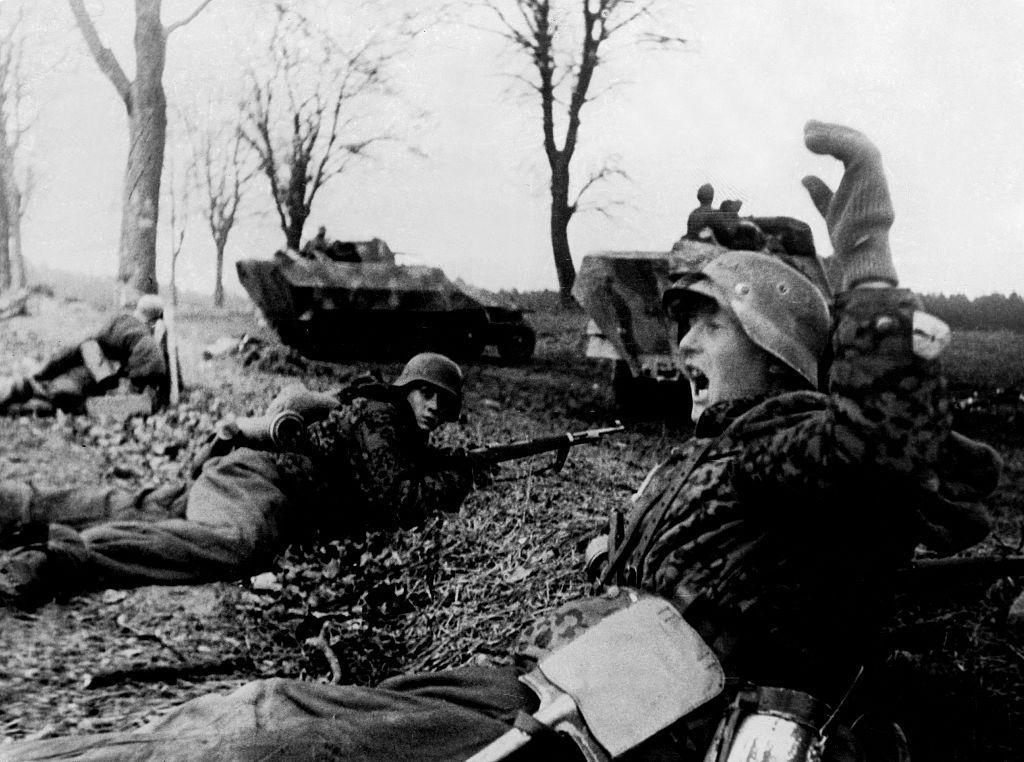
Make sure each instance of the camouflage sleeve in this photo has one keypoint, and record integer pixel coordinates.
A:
(886, 413)
(399, 480)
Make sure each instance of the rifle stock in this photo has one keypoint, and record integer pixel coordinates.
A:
(560, 443)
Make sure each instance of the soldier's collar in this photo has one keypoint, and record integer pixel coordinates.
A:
(716, 418)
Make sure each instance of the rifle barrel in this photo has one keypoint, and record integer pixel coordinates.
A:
(945, 571)
(526, 447)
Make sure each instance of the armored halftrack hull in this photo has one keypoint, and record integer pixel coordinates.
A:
(329, 309)
(621, 293)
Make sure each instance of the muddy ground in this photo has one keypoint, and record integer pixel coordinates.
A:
(451, 593)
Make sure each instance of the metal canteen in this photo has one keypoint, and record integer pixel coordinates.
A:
(780, 726)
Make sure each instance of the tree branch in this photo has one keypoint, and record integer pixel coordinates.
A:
(103, 56)
(188, 19)
(606, 172)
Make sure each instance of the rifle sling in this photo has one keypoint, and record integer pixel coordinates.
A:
(657, 508)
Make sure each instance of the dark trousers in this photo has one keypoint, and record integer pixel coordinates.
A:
(230, 522)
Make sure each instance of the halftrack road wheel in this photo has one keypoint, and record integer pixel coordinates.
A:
(516, 345)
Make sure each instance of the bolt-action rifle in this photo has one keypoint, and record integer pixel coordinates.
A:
(282, 430)
(491, 455)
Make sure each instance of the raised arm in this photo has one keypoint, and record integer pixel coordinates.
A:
(886, 410)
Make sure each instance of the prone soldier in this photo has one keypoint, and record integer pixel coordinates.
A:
(774, 530)
(363, 463)
(125, 348)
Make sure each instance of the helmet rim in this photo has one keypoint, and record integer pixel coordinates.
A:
(779, 309)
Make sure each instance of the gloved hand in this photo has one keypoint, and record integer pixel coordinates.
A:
(312, 406)
(859, 214)
(479, 471)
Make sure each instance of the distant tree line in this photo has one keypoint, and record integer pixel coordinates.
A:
(992, 312)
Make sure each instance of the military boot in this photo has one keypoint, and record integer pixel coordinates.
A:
(15, 499)
(26, 577)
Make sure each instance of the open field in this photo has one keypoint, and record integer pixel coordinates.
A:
(454, 592)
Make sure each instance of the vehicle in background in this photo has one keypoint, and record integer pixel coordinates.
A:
(621, 293)
(328, 308)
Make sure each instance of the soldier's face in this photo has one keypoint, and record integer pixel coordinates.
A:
(425, 402)
(719, 361)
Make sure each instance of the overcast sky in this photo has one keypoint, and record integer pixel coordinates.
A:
(938, 85)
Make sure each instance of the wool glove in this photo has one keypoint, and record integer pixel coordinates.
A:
(859, 214)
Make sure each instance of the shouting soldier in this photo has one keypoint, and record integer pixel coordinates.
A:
(774, 530)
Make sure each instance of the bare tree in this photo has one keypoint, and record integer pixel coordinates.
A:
(14, 193)
(146, 105)
(179, 183)
(311, 114)
(563, 63)
(223, 166)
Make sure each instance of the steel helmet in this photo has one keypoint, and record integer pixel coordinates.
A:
(438, 371)
(779, 308)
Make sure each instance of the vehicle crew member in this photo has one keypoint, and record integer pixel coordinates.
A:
(365, 464)
(774, 529)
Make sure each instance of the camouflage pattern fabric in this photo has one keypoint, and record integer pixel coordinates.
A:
(371, 467)
(568, 622)
(785, 516)
(366, 465)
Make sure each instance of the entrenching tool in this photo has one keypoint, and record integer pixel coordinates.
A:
(626, 678)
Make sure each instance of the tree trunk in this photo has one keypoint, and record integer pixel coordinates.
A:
(147, 127)
(218, 284)
(17, 257)
(296, 222)
(295, 201)
(5, 233)
(561, 213)
(8, 210)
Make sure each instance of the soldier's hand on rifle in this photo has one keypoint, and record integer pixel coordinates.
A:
(859, 214)
(484, 472)
(480, 471)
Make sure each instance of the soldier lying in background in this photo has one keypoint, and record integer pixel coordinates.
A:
(775, 529)
(125, 349)
(363, 462)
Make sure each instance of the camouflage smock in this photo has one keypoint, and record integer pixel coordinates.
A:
(784, 516)
(370, 465)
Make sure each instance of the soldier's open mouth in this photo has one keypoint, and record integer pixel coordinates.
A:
(698, 382)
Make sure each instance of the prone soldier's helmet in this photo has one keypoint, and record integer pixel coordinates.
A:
(778, 307)
(438, 371)
(706, 193)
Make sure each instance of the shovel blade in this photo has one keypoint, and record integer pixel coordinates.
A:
(635, 673)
